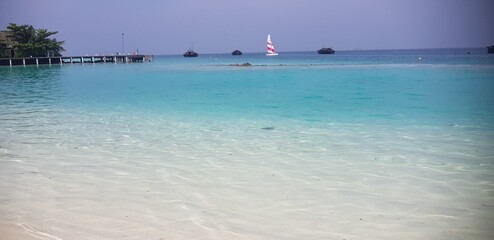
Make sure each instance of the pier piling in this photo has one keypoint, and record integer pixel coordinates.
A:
(72, 59)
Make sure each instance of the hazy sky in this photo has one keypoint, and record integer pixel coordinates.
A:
(219, 26)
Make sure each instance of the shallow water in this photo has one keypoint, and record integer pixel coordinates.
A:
(356, 145)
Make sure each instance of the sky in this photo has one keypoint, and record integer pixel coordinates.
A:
(221, 26)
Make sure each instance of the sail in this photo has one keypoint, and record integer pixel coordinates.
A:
(270, 45)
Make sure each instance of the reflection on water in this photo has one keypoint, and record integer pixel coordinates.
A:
(36, 85)
(28, 96)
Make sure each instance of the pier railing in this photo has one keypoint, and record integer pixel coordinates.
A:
(75, 59)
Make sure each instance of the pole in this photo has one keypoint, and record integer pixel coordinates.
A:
(123, 44)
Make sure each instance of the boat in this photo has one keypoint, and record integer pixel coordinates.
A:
(237, 53)
(326, 51)
(190, 53)
(490, 49)
(271, 51)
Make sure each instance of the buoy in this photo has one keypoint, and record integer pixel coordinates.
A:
(420, 58)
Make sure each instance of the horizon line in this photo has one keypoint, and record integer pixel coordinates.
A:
(344, 50)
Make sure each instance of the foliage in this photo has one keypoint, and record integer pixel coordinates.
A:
(29, 41)
(3, 46)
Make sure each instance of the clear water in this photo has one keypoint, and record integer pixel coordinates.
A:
(360, 144)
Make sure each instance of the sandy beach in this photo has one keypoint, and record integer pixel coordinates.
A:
(326, 182)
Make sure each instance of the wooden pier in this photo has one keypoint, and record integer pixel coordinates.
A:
(75, 60)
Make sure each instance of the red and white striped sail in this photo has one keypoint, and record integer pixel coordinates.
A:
(271, 51)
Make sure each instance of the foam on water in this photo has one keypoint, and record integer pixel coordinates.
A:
(184, 150)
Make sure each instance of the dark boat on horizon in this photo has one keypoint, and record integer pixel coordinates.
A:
(326, 51)
(190, 53)
(490, 49)
(237, 53)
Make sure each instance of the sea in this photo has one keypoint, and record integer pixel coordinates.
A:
(385, 144)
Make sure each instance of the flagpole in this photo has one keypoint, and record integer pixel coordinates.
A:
(123, 44)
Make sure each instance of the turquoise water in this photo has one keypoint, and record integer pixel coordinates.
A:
(415, 119)
(363, 87)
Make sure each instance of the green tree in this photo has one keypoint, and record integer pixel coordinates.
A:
(3, 46)
(29, 41)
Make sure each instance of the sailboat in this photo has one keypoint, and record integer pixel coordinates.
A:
(271, 51)
(191, 52)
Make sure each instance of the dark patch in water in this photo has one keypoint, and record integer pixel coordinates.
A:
(269, 106)
(267, 128)
(241, 65)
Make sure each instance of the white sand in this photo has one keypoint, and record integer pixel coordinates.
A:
(166, 179)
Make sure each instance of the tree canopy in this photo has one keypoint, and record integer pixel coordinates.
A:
(28, 41)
